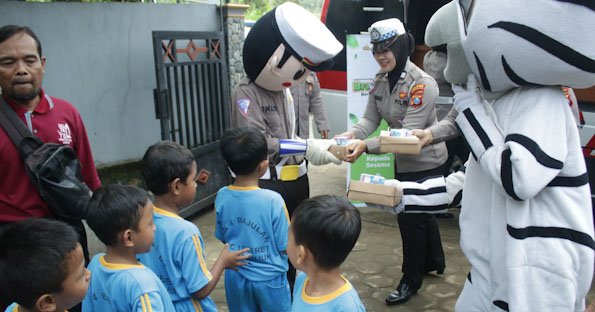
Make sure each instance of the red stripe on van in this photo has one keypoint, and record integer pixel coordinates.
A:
(324, 11)
(333, 79)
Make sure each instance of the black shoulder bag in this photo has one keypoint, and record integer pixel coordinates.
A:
(53, 168)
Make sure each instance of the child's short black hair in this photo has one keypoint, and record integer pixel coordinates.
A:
(243, 149)
(164, 162)
(328, 226)
(115, 208)
(34, 257)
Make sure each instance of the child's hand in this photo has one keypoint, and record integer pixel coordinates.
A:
(233, 259)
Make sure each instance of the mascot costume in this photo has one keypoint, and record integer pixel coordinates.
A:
(526, 219)
(281, 49)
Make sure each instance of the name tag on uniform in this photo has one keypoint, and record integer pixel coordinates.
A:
(268, 109)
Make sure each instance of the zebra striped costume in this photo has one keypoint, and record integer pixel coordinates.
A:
(526, 219)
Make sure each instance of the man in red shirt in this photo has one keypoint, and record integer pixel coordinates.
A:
(51, 119)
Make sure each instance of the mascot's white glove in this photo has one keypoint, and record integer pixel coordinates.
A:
(317, 152)
(399, 186)
(454, 188)
(466, 98)
(399, 207)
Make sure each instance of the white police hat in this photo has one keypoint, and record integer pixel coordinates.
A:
(306, 35)
(383, 33)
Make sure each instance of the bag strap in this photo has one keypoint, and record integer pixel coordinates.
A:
(19, 134)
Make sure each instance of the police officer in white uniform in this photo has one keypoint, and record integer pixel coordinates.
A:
(404, 96)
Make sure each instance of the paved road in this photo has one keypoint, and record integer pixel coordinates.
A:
(374, 266)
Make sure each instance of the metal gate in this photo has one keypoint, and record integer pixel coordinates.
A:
(191, 102)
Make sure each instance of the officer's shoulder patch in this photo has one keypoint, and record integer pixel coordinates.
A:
(243, 105)
(416, 94)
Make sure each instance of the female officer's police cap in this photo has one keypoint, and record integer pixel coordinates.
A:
(383, 33)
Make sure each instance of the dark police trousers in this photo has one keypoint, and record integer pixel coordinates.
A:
(422, 248)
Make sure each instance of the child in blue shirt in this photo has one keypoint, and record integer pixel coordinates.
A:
(42, 267)
(122, 218)
(177, 255)
(255, 218)
(323, 231)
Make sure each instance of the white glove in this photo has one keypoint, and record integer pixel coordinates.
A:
(454, 186)
(466, 98)
(398, 185)
(399, 207)
(317, 152)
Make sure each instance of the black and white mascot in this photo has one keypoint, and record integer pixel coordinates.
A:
(526, 219)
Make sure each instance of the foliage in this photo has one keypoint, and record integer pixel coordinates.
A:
(256, 10)
(260, 7)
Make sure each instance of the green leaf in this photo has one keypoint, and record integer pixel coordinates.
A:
(351, 41)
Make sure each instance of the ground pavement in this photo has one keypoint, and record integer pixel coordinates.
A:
(374, 265)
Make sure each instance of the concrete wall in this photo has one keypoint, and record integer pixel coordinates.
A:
(100, 58)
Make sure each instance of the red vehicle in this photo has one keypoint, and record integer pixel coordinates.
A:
(355, 16)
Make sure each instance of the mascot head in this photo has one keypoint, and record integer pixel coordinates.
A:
(512, 43)
(285, 44)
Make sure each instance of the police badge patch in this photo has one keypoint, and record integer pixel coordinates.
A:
(243, 104)
(417, 95)
(374, 35)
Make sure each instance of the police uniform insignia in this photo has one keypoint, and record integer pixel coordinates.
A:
(377, 98)
(374, 34)
(243, 105)
(402, 95)
(417, 95)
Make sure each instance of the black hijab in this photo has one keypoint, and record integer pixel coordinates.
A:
(402, 48)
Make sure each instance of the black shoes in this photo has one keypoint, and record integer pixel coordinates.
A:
(400, 295)
(439, 270)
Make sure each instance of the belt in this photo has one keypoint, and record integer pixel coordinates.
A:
(283, 172)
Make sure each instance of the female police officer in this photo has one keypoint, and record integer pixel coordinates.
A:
(404, 96)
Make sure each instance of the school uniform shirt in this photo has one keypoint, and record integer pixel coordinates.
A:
(526, 219)
(177, 258)
(124, 287)
(53, 120)
(258, 219)
(306, 100)
(267, 111)
(409, 105)
(344, 299)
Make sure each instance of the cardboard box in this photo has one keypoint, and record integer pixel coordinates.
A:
(373, 193)
(399, 145)
(340, 151)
